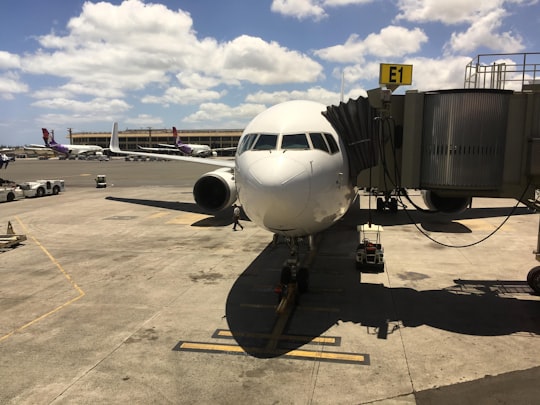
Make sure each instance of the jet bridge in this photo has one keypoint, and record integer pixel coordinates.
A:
(479, 141)
(453, 144)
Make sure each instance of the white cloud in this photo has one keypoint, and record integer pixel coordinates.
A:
(314, 9)
(119, 48)
(9, 60)
(318, 94)
(392, 41)
(300, 9)
(437, 74)
(211, 113)
(257, 61)
(10, 84)
(184, 96)
(447, 12)
(484, 33)
(94, 106)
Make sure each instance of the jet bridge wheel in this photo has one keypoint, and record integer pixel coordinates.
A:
(533, 279)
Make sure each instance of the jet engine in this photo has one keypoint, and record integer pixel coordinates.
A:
(215, 190)
(445, 204)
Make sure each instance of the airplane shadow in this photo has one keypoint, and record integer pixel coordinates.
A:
(219, 219)
(479, 308)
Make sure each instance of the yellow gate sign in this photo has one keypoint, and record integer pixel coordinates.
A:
(395, 75)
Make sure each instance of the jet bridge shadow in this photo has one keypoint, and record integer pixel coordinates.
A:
(337, 295)
(435, 222)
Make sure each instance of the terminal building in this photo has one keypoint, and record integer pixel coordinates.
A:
(130, 139)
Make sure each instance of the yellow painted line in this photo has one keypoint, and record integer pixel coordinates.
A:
(359, 358)
(330, 340)
(85, 174)
(297, 354)
(187, 219)
(158, 215)
(66, 275)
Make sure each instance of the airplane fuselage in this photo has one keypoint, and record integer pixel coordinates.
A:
(292, 175)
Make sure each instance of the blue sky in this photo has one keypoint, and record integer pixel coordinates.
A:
(217, 63)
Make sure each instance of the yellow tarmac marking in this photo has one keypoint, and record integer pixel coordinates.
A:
(66, 275)
(298, 353)
(158, 215)
(328, 340)
(187, 219)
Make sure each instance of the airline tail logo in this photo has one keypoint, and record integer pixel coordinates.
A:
(45, 136)
(182, 146)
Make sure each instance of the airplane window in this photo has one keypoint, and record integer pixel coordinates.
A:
(246, 143)
(332, 143)
(318, 142)
(265, 142)
(294, 141)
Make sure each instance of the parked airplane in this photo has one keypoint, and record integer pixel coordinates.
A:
(66, 150)
(187, 149)
(290, 173)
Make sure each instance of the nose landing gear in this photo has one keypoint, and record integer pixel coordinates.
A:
(294, 279)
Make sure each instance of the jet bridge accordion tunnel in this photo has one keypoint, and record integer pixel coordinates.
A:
(453, 144)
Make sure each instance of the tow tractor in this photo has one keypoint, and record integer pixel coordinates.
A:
(370, 253)
(39, 188)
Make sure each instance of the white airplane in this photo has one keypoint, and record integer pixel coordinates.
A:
(187, 149)
(66, 150)
(290, 172)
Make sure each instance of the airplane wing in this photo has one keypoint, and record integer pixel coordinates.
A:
(34, 146)
(171, 149)
(7, 149)
(164, 145)
(115, 147)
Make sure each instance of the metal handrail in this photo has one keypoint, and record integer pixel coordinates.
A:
(503, 71)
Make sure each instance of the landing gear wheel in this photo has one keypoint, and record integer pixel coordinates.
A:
(380, 204)
(533, 279)
(286, 275)
(392, 204)
(302, 280)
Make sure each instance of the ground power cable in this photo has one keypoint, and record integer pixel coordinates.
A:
(512, 211)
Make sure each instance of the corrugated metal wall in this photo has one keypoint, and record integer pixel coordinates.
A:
(463, 139)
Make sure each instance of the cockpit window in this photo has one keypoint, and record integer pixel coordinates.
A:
(331, 143)
(265, 142)
(318, 142)
(294, 141)
(246, 143)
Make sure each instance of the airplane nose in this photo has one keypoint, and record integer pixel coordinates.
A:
(279, 188)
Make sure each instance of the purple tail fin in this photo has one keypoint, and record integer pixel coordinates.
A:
(179, 144)
(45, 136)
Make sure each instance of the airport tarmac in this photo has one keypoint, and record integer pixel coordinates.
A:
(130, 294)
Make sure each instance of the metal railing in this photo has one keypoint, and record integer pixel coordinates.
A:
(503, 71)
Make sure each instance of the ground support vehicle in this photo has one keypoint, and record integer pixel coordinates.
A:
(10, 238)
(39, 188)
(101, 181)
(10, 191)
(370, 253)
